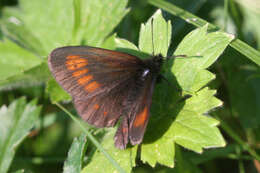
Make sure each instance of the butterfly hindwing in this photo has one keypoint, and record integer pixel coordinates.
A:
(104, 109)
(136, 114)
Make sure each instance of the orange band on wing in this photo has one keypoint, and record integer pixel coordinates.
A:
(96, 106)
(74, 64)
(73, 56)
(92, 86)
(76, 61)
(80, 72)
(84, 79)
(141, 118)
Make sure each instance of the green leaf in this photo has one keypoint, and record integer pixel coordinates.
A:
(92, 30)
(51, 30)
(122, 43)
(156, 40)
(190, 74)
(31, 77)
(75, 156)
(99, 18)
(14, 60)
(16, 122)
(191, 128)
(56, 92)
(125, 158)
(16, 31)
(248, 51)
(109, 43)
(127, 47)
(23, 171)
(161, 151)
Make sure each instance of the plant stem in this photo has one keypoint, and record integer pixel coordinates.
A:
(93, 139)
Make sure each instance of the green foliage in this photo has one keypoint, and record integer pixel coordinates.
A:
(16, 122)
(56, 92)
(75, 155)
(237, 44)
(93, 29)
(125, 158)
(29, 27)
(191, 74)
(29, 32)
(191, 128)
(15, 59)
(31, 77)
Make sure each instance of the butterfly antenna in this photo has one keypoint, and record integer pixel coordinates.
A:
(178, 56)
(152, 36)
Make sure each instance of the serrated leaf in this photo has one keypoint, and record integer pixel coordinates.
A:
(99, 18)
(203, 49)
(16, 122)
(191, 129)
(162, 151)
(157, 40)
(76, 153)
(99, 163)
(207, 47)
(194, 130)
(14, 60)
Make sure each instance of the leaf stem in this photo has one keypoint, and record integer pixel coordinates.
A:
(226, 14)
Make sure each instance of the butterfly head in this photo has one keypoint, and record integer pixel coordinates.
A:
(155, 63)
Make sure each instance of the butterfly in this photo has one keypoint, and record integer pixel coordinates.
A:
(107, 86)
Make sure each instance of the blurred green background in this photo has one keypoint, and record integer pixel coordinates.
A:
(237, 83)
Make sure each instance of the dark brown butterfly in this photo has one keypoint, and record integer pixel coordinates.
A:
(106, 85)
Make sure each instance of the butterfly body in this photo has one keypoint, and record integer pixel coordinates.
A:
(106, 85)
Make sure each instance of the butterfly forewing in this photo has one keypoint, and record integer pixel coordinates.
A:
(86, 71)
